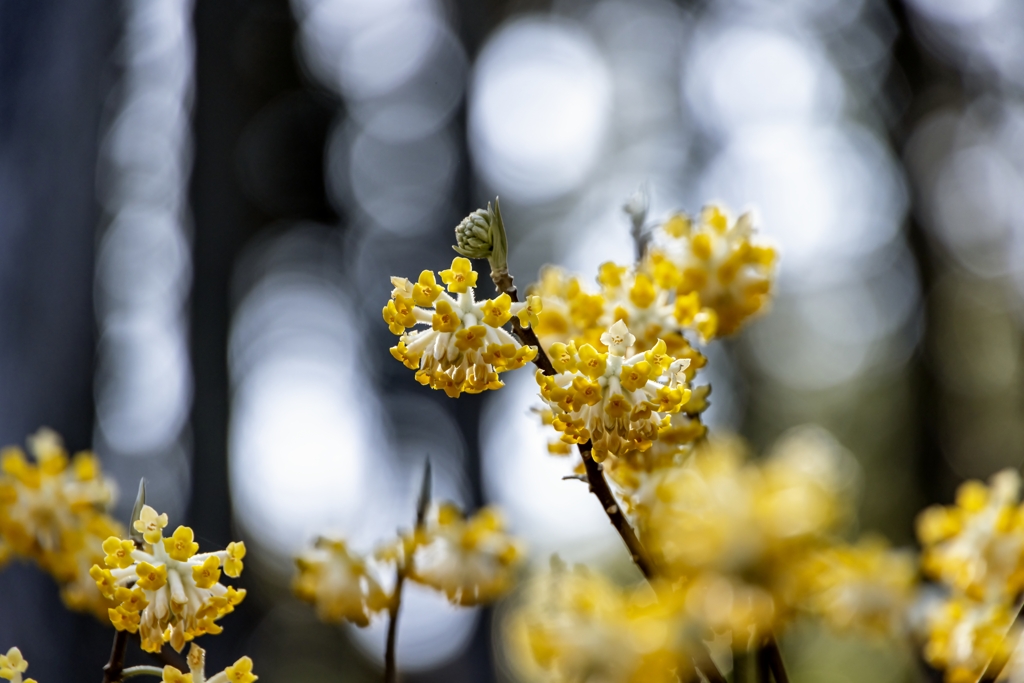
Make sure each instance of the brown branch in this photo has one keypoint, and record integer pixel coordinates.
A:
(599, 487)
(504, 282)
(113, 668)
(769, 655)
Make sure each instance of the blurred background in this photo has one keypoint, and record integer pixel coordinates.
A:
(201, 202)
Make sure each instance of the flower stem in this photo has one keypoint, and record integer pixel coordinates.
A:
(142, 671)
(599, 487)
(390, 670)
(769, 658)
(505, 284)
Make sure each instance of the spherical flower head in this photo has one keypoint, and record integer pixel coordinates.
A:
(619, 403)
(465, 347)
(52, 511)
(168, 592)
(963, 636)
(721, 260)
(472, 561)
(573, 623)
(977, 545)
(341, 584)
(864, 587)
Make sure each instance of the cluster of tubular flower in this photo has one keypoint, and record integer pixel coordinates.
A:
(740, 547)
(164, 589)
(239, 672)
(53, 511)
(575, 625)
(464, 347)
(719, 520)
(471, 560)
(974, 550)
(617, 402)
(718, 259)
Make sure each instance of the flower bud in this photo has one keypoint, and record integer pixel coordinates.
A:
(481, 235)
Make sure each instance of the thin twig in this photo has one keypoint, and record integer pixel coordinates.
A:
(706, 666)
(504, 283)
(115, 666)
(773, 658)
(142, 671)
(996, 666)
(169, 658)
(390, 670)
(763, 666)
(599, 486)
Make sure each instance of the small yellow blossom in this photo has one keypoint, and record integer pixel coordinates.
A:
(13, 665)
(472, 561)
(460, 277)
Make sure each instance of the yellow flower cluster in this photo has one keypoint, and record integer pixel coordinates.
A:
(617, 402)
(53, 511)
(13, 665)
(574, 625)
(339, 583)
(975, 549)
(471, 560)
(764, 537)
(239, 672)
(166, 590)
(718, 260)
(466, 346)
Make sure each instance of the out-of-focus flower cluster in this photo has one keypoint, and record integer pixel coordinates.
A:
(741, 547)
(53, 510)
(163, 588)
(974, 550)
(471, 560)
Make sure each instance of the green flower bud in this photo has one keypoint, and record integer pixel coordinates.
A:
(481, 235)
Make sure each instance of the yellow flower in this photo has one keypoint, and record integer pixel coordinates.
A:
(208, 573)
(13, 665)
(151, 578)
(233, 564)
(460, 277)
(241, 671)
(529, 316)
(150, 524)
(119, 553)
(497, 311)
(180, 545)
(426, 290)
